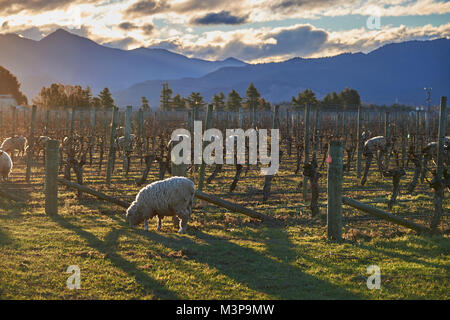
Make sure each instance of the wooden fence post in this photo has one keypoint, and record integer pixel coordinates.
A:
(31, 144)
(334, 209)
(126, 148)
(112, 148)
(306, 155)
(439, 190)
(202, 166)
(14, 120)
(72, 122)
(51, 176)
(359, 143)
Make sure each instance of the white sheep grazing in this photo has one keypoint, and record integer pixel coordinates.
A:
(121, 142)
(5, 165)
(12, 144)
(170, 197)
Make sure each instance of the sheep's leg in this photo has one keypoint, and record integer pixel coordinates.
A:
(159, 223)
(145, 224)
(366, 169)
(184, 218)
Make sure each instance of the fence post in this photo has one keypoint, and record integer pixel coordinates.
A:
(51, 176)
(359, 143)
(31, 144)
(72, 122)
(14, 121)
(112, 148)
(306, 156)
(202, 166)
(334, 209)
(439, 190)
(127, 138)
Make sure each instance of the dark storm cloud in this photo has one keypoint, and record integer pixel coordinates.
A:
(301, 41)
(223, 17)
(127, 26)
(147, 8)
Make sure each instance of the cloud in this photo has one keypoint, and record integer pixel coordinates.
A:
(222, 17)
(148, 29)
(124, 43)
(127, 26)
(13, 7)
(147, 8)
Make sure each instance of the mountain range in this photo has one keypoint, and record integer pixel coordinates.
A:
(397, 72)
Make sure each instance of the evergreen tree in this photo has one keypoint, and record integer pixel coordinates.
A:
(306, 97)
(10, 85)
(252, 96)
(234, 101)
(219, 101)
(145, 104)
(179, 103)
(106, 98)
(195, 101)
(166, 97)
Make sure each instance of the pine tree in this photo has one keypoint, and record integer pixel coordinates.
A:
(106, 98)
(145, 104)
(252, 96)
(234, 101)
(306, 97)
(166, 97)
(219, 101)
(179, 103)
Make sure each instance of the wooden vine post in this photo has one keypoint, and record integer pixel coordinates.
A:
(126, 150)
(31, 144)
(51, 177)
(208, 124)
(334, 208)
(359, 143)
(307, 140)
(14, 120)
(112, 150)
(437, 182)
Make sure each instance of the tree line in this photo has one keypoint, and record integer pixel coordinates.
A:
(61, 96)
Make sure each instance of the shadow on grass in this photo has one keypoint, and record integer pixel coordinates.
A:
(275, 277)
(151, 285)
(5, 239)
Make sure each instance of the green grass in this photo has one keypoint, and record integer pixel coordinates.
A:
(223, 256)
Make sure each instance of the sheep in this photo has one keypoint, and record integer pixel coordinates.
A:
(5, 165)
(121, 143)
(170, 197)
(12, 144)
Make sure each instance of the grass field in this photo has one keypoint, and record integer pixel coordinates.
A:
(223, 255)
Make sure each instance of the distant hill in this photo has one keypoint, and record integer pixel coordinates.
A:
(394, 71)
(70, 59)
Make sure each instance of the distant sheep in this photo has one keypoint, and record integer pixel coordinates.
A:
(121, 143)
(170, 197)
(375, 144)
(12, 144)
(5, 165)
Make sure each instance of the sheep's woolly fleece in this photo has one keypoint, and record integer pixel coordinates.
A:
(169, 197)
(5, 165)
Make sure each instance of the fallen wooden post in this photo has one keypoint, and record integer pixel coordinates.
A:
(10, 196)
(232, 206)
(384, 215)
(201, 195)
(94, 193)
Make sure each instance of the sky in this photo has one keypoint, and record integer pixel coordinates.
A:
(255, 31)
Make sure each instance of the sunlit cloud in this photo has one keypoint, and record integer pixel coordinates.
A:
(252, 30)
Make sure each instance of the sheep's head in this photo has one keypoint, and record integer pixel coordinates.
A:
(134, 216)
